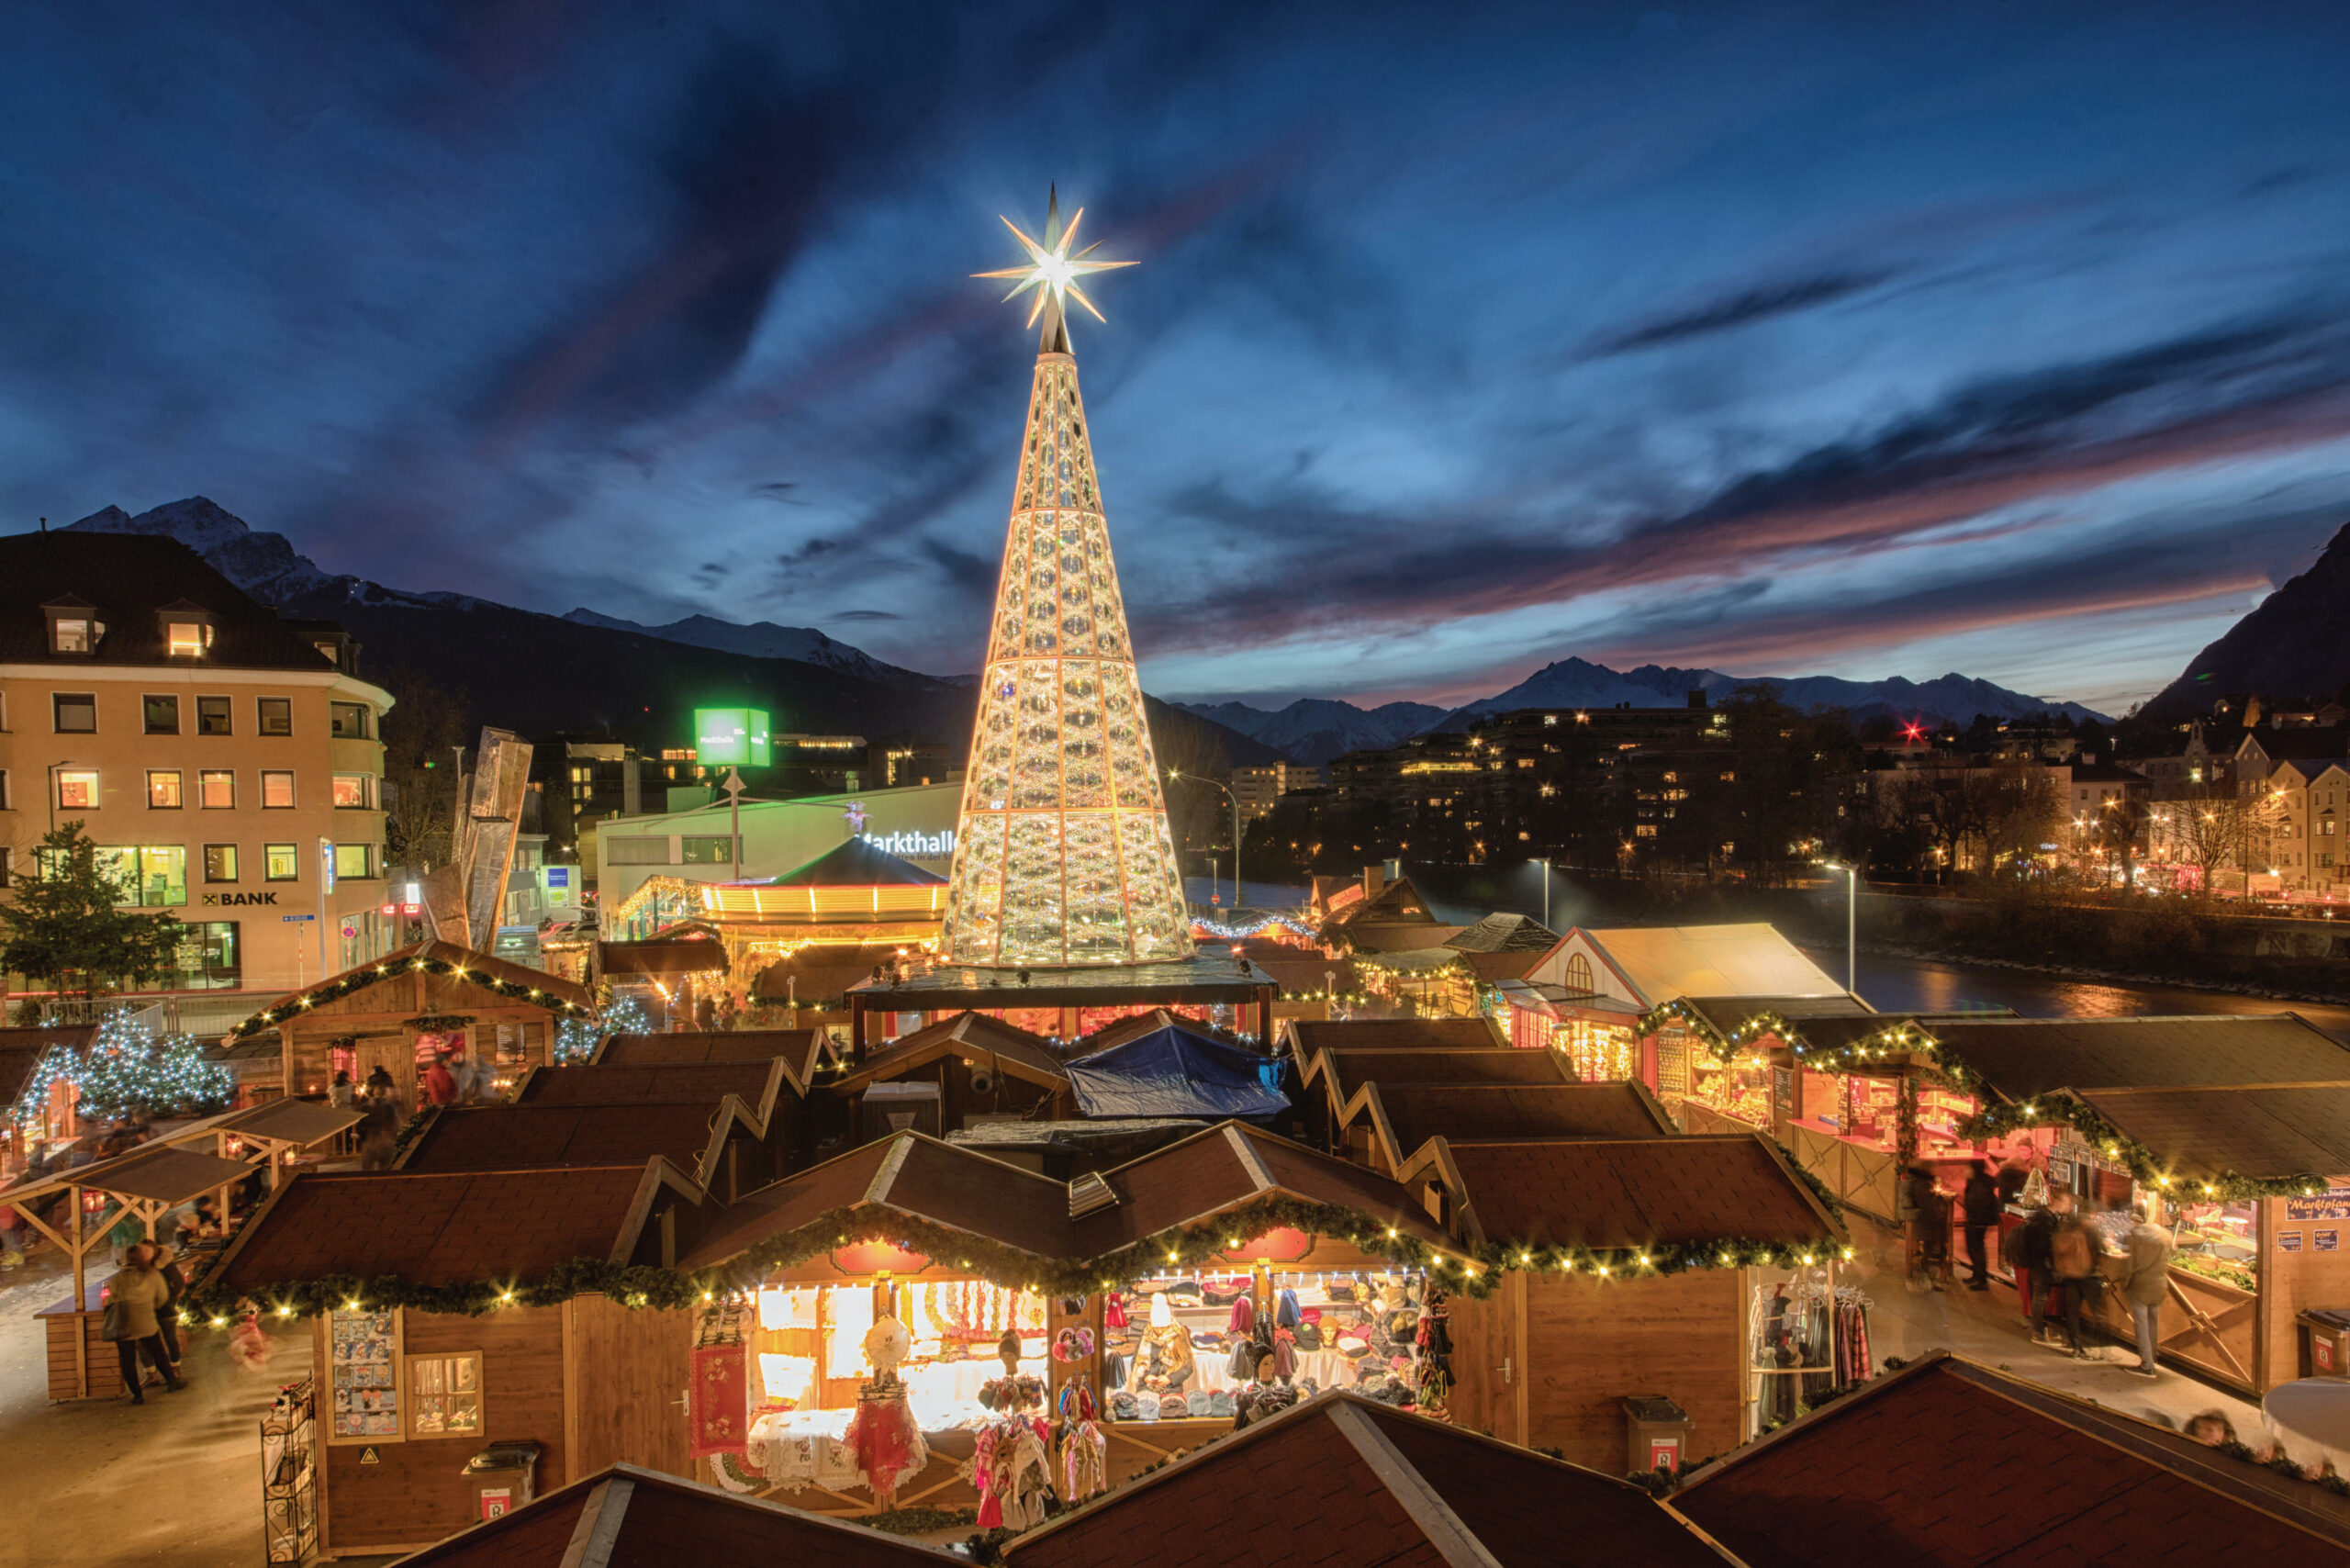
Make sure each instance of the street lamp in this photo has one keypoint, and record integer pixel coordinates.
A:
(1544, 862)
(1195, 778)
(1852, 922)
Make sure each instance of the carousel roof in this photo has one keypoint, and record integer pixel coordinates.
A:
(1346, 1479)
(1947, 1460)
(1606, 1193)
(628, 1517)
(854, 863)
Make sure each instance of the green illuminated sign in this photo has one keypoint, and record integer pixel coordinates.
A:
(738, 735)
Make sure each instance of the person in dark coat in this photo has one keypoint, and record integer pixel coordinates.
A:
(1980, 1202)
(2036, 1246)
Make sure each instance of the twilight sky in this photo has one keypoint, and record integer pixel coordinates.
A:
(1856, 339)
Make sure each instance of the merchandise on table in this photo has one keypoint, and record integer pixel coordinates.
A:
(1219, 1346)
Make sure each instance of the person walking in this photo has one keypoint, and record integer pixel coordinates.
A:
(134, 1296)
(1918, 1208)
(378, 1134)
(2146, 1258)
(379, 1084)
(2073, 1248)
(341, 1093)
(2033, 1245)
(440, 1083)
(167, 1317)
(1980, 1199)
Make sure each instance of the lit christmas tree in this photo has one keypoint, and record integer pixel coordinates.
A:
(576, 1038)
(1062, 855)
(129, 1071)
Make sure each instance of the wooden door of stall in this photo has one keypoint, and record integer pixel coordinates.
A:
(1489, 1361)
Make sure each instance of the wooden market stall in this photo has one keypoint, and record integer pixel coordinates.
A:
(966, 1066)
(1384, 1122)
(951, 1243)
(1700, 1270)
(407, 1394)
(398, 1011)
(85, 1202)
(1066, 1004)
(37, 1107)
(2235, 1124)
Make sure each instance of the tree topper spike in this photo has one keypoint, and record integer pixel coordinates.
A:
(1053, 272)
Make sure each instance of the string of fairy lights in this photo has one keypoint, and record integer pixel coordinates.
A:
(128, 1069)
(1902, 1043)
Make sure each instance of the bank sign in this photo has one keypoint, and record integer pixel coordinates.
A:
(913, 846)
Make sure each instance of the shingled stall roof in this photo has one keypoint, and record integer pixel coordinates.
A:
(2023, 1058)
(1506, 934)
(1407, 1116)
(757, 1083)
(801, 1050)
(533, 985)
(1231, 1166)
(907, 1173)
(439, 1230)
(528, 1138)
(1502, 1066)
(2262, 1133)
(154, 1172)
(1613, 1193)
(1950, 1461)
(1218, 1170)
(1341, 1479)
(1309, 1036)
(628, 1517)
(1727, 1014)
(968, 1037)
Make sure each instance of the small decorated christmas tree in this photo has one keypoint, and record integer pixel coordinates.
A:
(129, 1071)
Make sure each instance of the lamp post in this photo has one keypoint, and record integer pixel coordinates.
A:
(1195, 778)
(1852, 922)
(1545, 864)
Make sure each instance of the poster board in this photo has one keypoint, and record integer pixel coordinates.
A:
(364, 1380)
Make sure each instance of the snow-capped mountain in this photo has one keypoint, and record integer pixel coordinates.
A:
(265, 565)
(1315, 729)
(1578, 683)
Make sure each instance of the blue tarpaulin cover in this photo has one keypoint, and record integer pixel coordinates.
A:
(1173, 1073)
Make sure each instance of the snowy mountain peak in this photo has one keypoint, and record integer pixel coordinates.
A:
(265, 565)
(760, 640)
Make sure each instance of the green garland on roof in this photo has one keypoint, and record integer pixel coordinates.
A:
(375, 974)
(2062, 1108)
(1871, 1053)
(1473, 1272)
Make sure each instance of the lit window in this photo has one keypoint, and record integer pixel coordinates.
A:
(282, 862)
(219, 862)
(351, 792)
(348, 720)
(215, 790)
(76, 712)
(186, 639)
(150, 877)
(70, 634)
(354, 860)
(77, 789)
(276, 790)
(163, 789)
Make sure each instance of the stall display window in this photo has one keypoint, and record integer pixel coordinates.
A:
(1739, 1090)
(365, 1348)
(2219, 1241)
(1597, 1053)
(443, 1396)
(1189, 1347)
(807, 1349)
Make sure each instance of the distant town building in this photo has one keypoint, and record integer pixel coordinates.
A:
(1260, 785)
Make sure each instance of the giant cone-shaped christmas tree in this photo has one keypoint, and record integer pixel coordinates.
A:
(1062, 855)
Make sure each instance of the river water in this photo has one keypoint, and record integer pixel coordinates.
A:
(1911, 985)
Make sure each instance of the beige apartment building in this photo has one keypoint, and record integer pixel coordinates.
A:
(228, 762)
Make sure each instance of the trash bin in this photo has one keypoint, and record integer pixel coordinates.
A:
(1659, 1433)
(504, 1477)
(2325, 1341)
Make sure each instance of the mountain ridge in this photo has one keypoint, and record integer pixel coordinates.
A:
(2291, 645)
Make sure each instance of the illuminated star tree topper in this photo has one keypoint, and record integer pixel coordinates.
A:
(1053, 272)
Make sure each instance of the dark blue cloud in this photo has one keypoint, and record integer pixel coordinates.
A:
(1465, 340)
